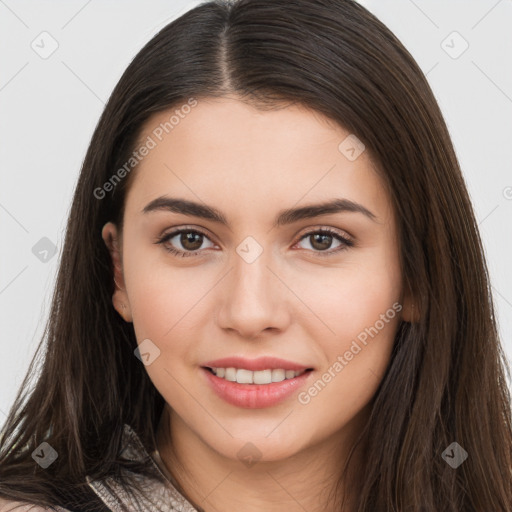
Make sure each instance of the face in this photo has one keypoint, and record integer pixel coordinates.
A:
(246, 267)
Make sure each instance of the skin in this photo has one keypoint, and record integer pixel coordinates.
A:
(291, 302)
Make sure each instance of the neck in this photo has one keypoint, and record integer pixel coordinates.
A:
(308, 480)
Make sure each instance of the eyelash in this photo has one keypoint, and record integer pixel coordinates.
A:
(346, 243)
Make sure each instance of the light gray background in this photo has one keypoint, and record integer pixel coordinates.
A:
(50, 106)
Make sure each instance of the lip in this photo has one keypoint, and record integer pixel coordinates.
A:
(254, 396)
(260, 363)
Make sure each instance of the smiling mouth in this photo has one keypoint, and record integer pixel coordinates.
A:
(244, 376)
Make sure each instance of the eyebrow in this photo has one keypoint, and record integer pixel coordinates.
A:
(284, 217)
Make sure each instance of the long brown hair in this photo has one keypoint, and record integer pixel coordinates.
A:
(446, 379)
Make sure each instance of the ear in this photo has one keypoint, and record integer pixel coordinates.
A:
(120, 300)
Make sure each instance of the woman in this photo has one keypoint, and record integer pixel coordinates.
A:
(272, 293)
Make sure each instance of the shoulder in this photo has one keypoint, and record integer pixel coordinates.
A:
(23, 506)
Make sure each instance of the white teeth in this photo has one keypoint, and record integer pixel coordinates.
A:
(262, 377)
(278, 375)
(230, 374)
(243, 376)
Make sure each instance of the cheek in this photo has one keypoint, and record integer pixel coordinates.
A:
(165, 304)
(364, 321)
(355, 358)
(161, 293)
(361, 307)
(346, 300)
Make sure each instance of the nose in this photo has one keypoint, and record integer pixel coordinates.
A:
(253, 299)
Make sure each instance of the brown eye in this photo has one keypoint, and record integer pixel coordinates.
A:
(190, 240)
(184, 242)
(322, 240)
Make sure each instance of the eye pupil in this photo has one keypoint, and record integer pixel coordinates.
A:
(324, 239)
(194, 238)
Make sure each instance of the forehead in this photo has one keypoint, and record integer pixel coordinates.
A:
(223, 150)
